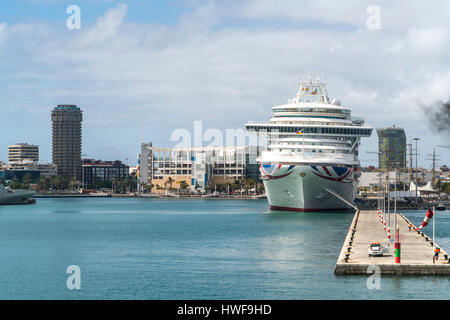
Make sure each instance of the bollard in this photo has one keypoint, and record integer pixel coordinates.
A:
(397, 252)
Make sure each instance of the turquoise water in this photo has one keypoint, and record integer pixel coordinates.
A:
(187, 249)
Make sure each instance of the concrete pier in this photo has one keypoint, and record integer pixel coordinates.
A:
(416, 248)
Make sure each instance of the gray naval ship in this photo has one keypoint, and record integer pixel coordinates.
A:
(9, 196)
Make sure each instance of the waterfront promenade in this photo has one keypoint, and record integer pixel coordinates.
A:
(416, 248)
(148, 196)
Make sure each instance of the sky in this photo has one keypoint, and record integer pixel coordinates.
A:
(141, 69)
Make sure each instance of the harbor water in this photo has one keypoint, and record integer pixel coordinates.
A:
(131, 248)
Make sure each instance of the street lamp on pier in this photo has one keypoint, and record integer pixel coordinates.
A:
(416, 139)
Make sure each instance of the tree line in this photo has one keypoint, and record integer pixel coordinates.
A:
(245, 185)
(57, 183)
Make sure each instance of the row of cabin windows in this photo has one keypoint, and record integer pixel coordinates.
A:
(343, 117)
(299, 137)
(289, 143)
(188, 172)
(326, 130)
(300, 150)
(321, 110)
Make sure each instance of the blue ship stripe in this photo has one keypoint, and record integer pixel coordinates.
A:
(340, 170)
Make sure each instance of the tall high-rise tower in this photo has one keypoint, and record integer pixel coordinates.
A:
(66, 140)
(391, 147)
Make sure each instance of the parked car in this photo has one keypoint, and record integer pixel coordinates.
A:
(375, 249)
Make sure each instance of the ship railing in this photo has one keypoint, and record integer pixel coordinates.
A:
(257, 122)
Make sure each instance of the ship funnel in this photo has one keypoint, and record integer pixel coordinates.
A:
(336, 102)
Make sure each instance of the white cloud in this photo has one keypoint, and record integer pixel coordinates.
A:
(428, 41)
(3, 29)
(105, 28)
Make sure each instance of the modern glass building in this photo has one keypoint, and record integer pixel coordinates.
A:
(66, 140)
(196, 166)
(97, 171)
(391, 148)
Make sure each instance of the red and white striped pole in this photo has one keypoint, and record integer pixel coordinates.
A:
(389, 233)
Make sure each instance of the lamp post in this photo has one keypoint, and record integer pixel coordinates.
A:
(395, 198)
(416, 139)
(434, 227)
(379, 192)
(82, 173)
(381, 153)
(388, 190)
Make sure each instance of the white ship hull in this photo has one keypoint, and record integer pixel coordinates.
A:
(304, 187)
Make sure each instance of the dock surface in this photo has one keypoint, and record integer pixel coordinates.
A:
(416, 248)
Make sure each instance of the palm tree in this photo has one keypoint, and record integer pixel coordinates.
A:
(149, 187)
(183, 185)
(26, 180)
(57, 182)
(170, 181)
(73, 183)
(15, 183)
(447, 188)
(43, 183)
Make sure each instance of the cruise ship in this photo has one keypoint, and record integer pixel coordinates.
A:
(311, 161)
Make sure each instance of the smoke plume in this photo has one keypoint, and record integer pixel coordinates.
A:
(439, 116)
